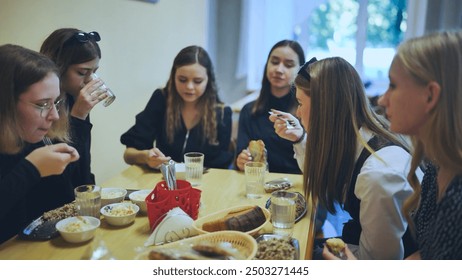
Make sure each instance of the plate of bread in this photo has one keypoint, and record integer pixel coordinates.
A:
(245, 218)
(222, 245)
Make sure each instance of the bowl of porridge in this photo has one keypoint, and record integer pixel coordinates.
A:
(112, 195)
(78, 229)
(120, 214)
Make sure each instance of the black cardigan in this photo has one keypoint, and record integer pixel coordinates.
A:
(280, 151)
(150, 128)
(26, 195)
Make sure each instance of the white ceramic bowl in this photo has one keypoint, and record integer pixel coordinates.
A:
(112, 195)
(139, 198)
(180, 171)
(120, 214)
(78, 229)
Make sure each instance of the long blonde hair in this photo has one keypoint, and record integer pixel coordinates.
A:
(436, 57)
(339, 108)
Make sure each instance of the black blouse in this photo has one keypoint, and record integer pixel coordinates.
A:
(280, 152)
(26, 195)
(150, 128)
(81, 135)
(439, 224)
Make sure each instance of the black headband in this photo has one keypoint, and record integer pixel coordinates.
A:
(304, 69)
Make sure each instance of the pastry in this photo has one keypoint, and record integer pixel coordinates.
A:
(257, 151)
(202, 251)
(336, 246)
(277, 185)
(245, 219)
(160, 255)
(216, 251)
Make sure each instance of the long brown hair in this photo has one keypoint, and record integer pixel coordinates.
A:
(339, 108)
(62, 47)
(206, 104)
(19, 69)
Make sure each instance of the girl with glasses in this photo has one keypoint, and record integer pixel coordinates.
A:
(77, 55)
(34, 178)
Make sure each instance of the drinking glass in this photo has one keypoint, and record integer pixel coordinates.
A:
(254, 178)
(283, 208)
(104, 88)
(88, 200)
(194, 163)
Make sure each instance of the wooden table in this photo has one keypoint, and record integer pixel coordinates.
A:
(221, 189)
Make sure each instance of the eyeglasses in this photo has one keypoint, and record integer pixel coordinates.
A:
(304, 69)
(83, 37)
(46, 106)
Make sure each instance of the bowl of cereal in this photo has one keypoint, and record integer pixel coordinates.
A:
(78, 229)
(139, 198)
(112, 195)
(120, 214)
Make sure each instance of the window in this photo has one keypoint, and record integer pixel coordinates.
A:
(240, 47)
(364, 32)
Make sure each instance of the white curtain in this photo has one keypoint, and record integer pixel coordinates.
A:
(416, 18)
(263, 23)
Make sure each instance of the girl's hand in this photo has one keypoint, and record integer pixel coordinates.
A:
(286, 125)
(346, 252)
(53, 159)
(90, 95)
(243, 158)
(414, 256)
(155, 158)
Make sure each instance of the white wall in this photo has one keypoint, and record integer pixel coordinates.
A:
(139, 42)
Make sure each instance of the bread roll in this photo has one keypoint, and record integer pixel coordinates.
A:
(336, 246)
(257, 150)
(244, 220)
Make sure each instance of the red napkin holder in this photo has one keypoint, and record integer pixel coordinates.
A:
(161, 200)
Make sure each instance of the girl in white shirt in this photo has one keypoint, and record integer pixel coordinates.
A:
(352, 159)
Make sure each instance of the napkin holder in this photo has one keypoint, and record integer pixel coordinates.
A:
(161, 200)
(175, 226)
